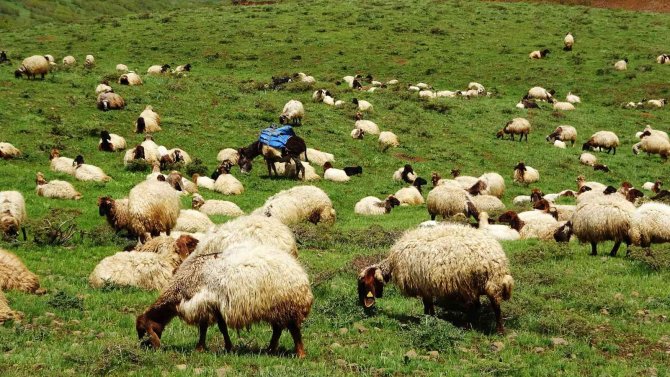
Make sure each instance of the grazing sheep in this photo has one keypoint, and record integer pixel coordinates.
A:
(122, 68)
(153, 207)
(111, 142)
(55, 189)
(368, 127)
(86, 172)
(516, 126)
(89, 61)
(448, 201)
(540, 93)
(298, 204)
(449, 261)
(158, 69)
(228, 154)
(293, 112)
(371, 206)
(33, 66)
(602, 218)
(215, 207)
(12, 214)
(653, 145)
(538, 54)
(621, 65)
(8, 151)
(110, 101)
(14, 275)
(571, 98)
(603, 140)
(388, 139)
(335, 175)
(228, 185)
(237, 286)
(568, 42)
(497, 231)
(362, 105)
(651, 224)
(193, 221)
(115, 212)
(69, 60)
(130, 78)
(405, 174)
(103, 87)
(563, 133)
(148, 122)
(317, 157)
(411, 196)
(525, 174)
(61, 164)
(564, 106)
(145, 270)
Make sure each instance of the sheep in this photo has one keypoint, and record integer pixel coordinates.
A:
(122, 68)
(657, 103)
(539, 54)
(516, 126)
(317, 157)
(335, 175)
(535, 224)
(563, 133)
(115, 211)
(61, 164)
(350, 80)
(148, 122)
(193, 221)
(328, 100)
(6, 313)
(564, 211)
(182, 68)
(388, 139)
(653, 145)
(69, 60)
(362, 105)
(153, 207)
(158, 69)
(306, 79)
(405, 174)
(601, 218)
(521, 200)
(215, 207)
(596, 186)
(371, 206)
(150, 148)
(413, 88)
(427, 94)
(110, 101)
(621, 65)
(353, 170)
(568, 42)
(411, 196)
(559, 144)
(228, 185)
(237, 286)
(495, 184)
(89, 61)
(55, 189)
(663, 59)
(12, 214)
(525, 174)
(8, 151)
(48, 57)
(111, 142)
(103, 87)
(86, 172)
(145, 270)
(540, 93)
(603, 140)
(228, 154)
(366, 126)
(262, 230)
(448, 201)
(357, 133)
(298, 204)
(487, 203)
(318, 95)
(587, 159)
(392, 82)
(497, 231)
(130, 78)
(553, 197)
(179, 155)
(446, 93)
(571, 98)
(33, 66)
(650, 224)
(288, 170)
(445, 261)
(293, 111)
(14, 275)
(653, 186)
(648, 131)
(564, 106)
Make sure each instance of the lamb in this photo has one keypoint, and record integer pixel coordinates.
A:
(261, 230)
(571, 98)
(55, 189)
(388, 139)
(228, 154)
(130, 78)
(33, 66)
(14, 275)
(293, 111)
(89, 61)
(568, 41)
(366, 126)
(564, 106)
(411, 196)
(448, 201)
(372, 206)
(335, 175)
(158, 69)
(69, 60)
(602, 218)
(215, 207)
(298, 204)
(540, 93)
(111, 142)
(110, 101)
(603, 140)
(228, 185)
(663, 59)
(563, 133)
(621, 65)
(538, 54)
(103, 87)
(653, 186)
(86, 172)
(650, 224)
(12, 214)
(516, 126)
(445, 261)
(182, 68)
(362, 105)
(148, 122)
(236, 287)
(317, 157)
(145, 270)
(193, 221)
(653, 145)
(405, 174)
(122, 68)
(525, 174)
(497, 231)
(153, 207)
(8, 151)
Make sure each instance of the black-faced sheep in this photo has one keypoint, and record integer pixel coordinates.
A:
(335, 175)
(411, 196)
(111, 142)
(621, 65)
(33, 66)
(158, 69)
(516, 126)
(148, 122)
(362, 105)
(525, 174)
(110, 101)
(405, 174)
(130, 78)
(539, 54)
(86, 172)
(371, 205)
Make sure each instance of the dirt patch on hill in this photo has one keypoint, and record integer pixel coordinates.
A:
(637, 5)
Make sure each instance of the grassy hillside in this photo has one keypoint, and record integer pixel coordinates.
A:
(611, 311)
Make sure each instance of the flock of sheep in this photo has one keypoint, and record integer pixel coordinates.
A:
(246, 271)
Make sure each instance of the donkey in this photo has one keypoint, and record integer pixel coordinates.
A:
(294, 147)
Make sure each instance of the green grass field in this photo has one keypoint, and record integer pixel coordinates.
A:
(613, 312)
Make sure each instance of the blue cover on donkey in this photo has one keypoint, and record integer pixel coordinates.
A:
(276, 137)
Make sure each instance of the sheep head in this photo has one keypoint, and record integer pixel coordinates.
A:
(327, 166)
(435, 178)
(455, 173)
(418, 182)
(139, 153)
(563, 233)
(9, 224)
(185, 245)
(633, 194)
(601, 167)
(141, 125)
(512, 219)
(18, 73)
(54, 154)
(39, 179)
(149, 332)
(105, 205)
(79, 160)
(391, 201)
(370, 286)
(283, 119)
(477, 188)
(536, 195)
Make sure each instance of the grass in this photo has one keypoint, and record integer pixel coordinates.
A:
(611, 311)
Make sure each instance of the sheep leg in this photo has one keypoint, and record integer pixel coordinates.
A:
(23, 230)
(270, 166)
(473, 313)
(526, 138)
(614, 151)
(432, 216)
(203, 336)
(428, 306)
(511, 137)
(615, 249)
(496, 309)
(224, 330)
(294, 329)
(594, 250)
(274, 341)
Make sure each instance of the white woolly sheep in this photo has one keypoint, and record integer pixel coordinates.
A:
(50, 59)
(182, 69)
(653, 145)
(33, 66)
(405, 174)
(362, 105)
(148, 122)
(563, 133)
(540, 93)
(653, 186)
(603, 218)
(122, 68)
(179, 155)
(538, 54)
(86, 172)
(587, 159)
(372, 206)
(228, 154)
(238, 286)
(293, 112)
(495, 184)
(288, 169)
(89, 61)
(651, 224)
(150, 149)
(215, 207)
(193, 221)
(55, 189)
(306, 79)
(446, 93)
(427, 94)
(525, 174)
(497, 231)
(12, 213)
(153, 207)
(317, 157)
(487, 203)
(621, 65)
(445, 261)
(595, 186)
(14, 275)
(448, 201)
(532, 224)
(568, 42)
(559, 144)
(367, 126)
(411, 196)
(110, 101)
(388, 139)
(228, 185)
(658, 103)
(111, 142)
(298, 204)
(335, 175)
(103, 87)
(69, 60)
(158, 69)
(564, 106)
(204, 182)
(8, 151)
(61, 164)
(603, 140)
(516, 126)
(648, 131)
(130, 78)
(571, 98)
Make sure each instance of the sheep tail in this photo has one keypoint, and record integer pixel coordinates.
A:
(507, 286)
